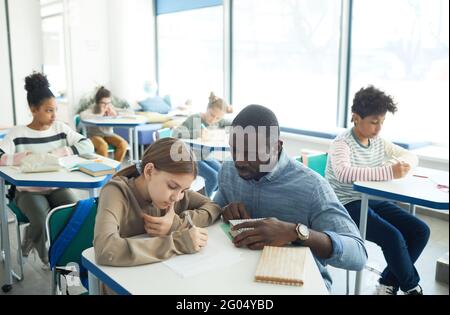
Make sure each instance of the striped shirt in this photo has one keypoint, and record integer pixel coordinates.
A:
(58, 137)
(350, 161)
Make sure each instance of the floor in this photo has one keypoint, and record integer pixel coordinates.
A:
(38, 281)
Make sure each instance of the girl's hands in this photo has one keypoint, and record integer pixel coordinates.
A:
(159, 226)
(199, 237)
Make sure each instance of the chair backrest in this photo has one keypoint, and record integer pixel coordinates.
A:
(78, 125)
(316, 162)
(21, 218)
(162, 133)
(57, 219)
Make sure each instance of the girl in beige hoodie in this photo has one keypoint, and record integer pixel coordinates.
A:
(153, 198)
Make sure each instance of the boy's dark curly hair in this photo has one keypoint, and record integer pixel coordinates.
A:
(372, 101)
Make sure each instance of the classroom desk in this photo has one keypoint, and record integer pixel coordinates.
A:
(410, 189)
(129, 122)
(60, 179)
(217, 147)
(236, 279)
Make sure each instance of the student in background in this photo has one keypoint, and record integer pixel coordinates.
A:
(361, 154)
(196, 126)
(43, 135)
(300, 206)
(152, 197)
(102, 137)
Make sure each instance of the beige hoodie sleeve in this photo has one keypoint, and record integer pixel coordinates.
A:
(114, 250)
(202, 210)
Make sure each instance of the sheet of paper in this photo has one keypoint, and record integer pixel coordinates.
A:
(214, 256)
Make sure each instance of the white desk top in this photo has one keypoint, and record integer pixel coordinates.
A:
(123, 121)
(237, 279)
(62, 178)
(411, 189)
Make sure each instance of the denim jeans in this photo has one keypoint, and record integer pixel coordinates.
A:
(401, 236)
(209, 170)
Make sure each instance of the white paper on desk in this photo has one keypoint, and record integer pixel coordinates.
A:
(71, 162)
(215, 255)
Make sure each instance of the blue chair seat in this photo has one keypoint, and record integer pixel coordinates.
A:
(145, 133)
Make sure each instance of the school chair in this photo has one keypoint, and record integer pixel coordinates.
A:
(82, 130)
(144, 133)
(162, 133)
(70, 256)
(318, 163)
(20, 219)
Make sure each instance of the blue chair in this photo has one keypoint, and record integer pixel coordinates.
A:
(145, 134)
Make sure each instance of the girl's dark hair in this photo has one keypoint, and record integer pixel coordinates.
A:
(217, 102)
(102, 92)
(372, 101)
(37, 88)
(160, 154)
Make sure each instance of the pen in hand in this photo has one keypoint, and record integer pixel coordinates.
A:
(189, 219)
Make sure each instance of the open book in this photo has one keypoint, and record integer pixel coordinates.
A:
(282, 265)
(236, 222)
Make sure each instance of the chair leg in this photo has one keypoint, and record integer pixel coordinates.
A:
(347, 288)
(19, 252)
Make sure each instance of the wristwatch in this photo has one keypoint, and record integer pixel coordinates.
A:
(302, 232)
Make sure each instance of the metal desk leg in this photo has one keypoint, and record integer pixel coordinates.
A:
(5, 238)
(136, 143)
(94, 284)
(412, 209)
(93, 192)
(362, 229)
(130, 139)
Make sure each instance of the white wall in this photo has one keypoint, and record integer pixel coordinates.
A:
(88, 39)
(26, 50)
(111, 43)
(6, 118)
(132, 39)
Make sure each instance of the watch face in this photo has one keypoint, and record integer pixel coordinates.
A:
(304, 230)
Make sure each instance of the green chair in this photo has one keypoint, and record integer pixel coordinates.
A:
(162, 133)
(318, 163)
(56, 221)
(20, 219)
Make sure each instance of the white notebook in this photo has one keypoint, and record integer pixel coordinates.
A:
(236, 222)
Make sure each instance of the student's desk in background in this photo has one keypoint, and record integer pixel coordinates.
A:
(218, 146)
(60, 179)
(129, 122)
(414, 190)
(235, 279)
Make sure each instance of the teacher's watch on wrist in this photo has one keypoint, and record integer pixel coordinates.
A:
(302, 232)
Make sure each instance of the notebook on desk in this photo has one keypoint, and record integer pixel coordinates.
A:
(96, 169)
(282, 265)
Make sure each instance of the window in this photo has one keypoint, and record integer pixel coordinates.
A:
(53, 45)
(401, 47)
(285, 57)
(190, 55)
